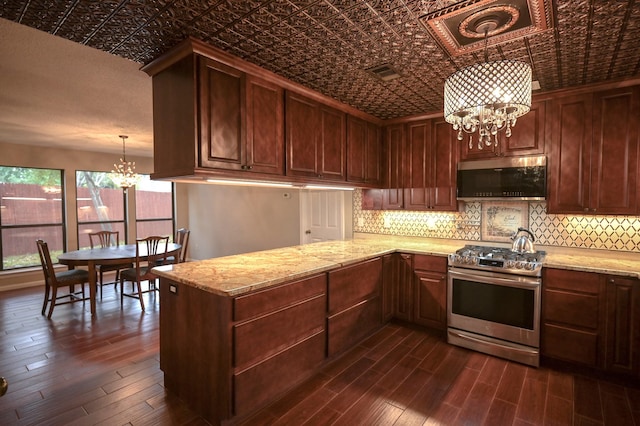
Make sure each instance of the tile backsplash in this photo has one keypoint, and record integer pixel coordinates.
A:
(595, 232)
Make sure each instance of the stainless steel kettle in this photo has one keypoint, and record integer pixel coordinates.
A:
(523, 241)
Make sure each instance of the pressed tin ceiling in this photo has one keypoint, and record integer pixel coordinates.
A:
(328, 45)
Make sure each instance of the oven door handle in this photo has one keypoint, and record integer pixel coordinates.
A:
(492, 278)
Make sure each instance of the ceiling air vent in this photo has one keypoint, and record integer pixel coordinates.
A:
(384, 72)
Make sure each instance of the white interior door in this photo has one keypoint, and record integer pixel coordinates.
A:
(322, 216)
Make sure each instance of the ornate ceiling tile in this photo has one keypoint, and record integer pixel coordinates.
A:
(328, 44)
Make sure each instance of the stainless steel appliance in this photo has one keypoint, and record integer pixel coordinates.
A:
(513, 178)
(493, 302)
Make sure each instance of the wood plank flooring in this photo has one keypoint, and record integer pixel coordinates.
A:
(72, 370)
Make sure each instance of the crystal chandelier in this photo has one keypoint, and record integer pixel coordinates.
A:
(123, 174)
(487, 97)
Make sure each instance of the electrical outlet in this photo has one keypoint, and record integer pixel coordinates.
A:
(387, 222)
(360, 221)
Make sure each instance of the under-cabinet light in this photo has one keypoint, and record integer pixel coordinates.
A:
(329, 187)
(249, 183)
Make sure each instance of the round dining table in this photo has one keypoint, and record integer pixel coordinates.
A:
(107, 256)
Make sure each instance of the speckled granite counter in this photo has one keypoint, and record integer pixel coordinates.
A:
(234, 275)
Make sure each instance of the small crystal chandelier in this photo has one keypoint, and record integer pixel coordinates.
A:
(487, 97)
(123, 174)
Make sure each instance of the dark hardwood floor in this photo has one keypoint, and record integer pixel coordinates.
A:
(72, 370)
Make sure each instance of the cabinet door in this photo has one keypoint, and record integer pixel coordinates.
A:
(265, 127)
(363, 151)
(622, 352)
(527, 138)
(403, 291)
(222, 105)
(614, 164)
(430, 302)
(393, 154)
(416, 192)
(570, 155)
(442, 164)
(356, 149)
(528, 135)
(332, 147)
(389, 280)
(373, 163)
(302, 136)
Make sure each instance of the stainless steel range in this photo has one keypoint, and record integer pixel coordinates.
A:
(493, 302)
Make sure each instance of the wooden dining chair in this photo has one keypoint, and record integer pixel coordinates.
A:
(156, 251)
(54, 280)
(182, 238)
(107, 239)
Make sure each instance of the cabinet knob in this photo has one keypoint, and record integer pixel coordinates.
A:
(319, 175)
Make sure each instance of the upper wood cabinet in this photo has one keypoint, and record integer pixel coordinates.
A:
(430, 166)
(393, 157)
(593, 158)
(364, 152)
(241, 120)
(211, 118)
(315, 139)
(527, 137)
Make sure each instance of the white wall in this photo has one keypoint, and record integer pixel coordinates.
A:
(226, 220)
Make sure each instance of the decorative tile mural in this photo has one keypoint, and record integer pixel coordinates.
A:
(595, 232)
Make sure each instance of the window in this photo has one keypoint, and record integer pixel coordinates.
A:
(154, 208)
(101, 206)
(31, 208)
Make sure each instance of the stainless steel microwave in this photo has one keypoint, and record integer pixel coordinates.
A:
(514, 178)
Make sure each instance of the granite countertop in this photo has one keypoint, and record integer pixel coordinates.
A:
(235, 275)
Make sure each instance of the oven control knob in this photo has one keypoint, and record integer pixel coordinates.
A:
(529, 266)
(519, 265)
(510, 264)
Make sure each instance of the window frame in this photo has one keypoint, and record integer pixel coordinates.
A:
(62, 224)
(163, 219)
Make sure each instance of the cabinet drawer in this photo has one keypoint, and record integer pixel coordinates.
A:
(260, 338)
(577, 281)
(263, 382)
(353, 284)
(575, 309)
(430, 263)
(569, 344)
(271, 299)
(346, 328)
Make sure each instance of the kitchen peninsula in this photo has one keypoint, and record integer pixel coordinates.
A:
(239, 331)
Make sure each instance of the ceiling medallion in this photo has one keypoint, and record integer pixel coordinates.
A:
(459, 29)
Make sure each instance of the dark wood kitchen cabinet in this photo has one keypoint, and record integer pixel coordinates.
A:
(228, 356)
(213, 119)
(527, 137)
(622, 344)
(391, 196)
(572, 316)
(364, 152)
(430, 166)
(430, 298)
(354, 304)
(393, 167)
(593, 157)
(398, 286)
(592, 319)
(241, 120)
(315, 139)
(278, 338)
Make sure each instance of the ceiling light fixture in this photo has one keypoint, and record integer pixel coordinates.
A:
(123, 174)
(487, 97)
